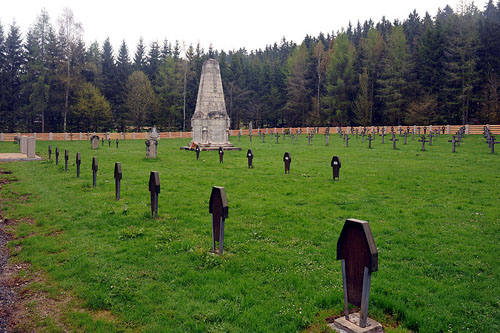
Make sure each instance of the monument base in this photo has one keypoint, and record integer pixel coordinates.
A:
(213, 146)
(343, 325)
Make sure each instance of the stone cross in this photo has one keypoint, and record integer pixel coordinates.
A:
(50, 151)
(219, 209)
(453, 142)
(57, 155)
(250, 158)
(118, 178)
(197, 149)
(78, 162)
(359, 258)
(66, 157)
(287, 159)
(423, 142)
(154, 189)
(94, 171)
(221, 155)
(400, 130)
(382, 135)
(370, 139)
(335, 164)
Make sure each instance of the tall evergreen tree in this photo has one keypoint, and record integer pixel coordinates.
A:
(140, 60)
(299, 99)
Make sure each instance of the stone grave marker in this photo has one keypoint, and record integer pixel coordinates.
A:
(359, 259)
(50, 152)
(430, 139)
(406, 135)
(94, 141)
(197, 150)
(151, 148)
(31, 147)
(154, 189)
(327, 139)
(219, 209)
(423, 142)
(78, 162)
(336, 167)
(287, 159)
(95, 167)
(24, 145)
(57, 155)
(118, 178)
(250, 158)
(453, 142)
(383, 135)
(66, 157)
(221, 155)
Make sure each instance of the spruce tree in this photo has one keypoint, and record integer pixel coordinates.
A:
(140, 60)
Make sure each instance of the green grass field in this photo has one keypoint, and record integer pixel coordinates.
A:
(434, 215)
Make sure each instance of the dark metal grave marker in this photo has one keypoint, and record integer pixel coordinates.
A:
(277, 138)
(250, 158)
(50, 151)
(370, 139)
(287, 159)
(362, 137)
(118, 178)
(430, 139)
(423, 142)
(57, 155)
(109, 143)
(102, 141)
(263, 137)
(154, 189)
(66, 157)
(94, 171)
(117, 141)
(383, 135)
(453, 142)
(78, 162)
(327, 138)
(406, 135)
(219, 209)
(309, 138)
(221, 155)
(359, 257)
(418, 130)
(394, 142)
(197, 150)
(347, 138)
(425, 130)
(492, 144)
(336, 167)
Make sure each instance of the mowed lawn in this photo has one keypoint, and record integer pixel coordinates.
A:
(435, 217)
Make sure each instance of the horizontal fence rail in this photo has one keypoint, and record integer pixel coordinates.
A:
(448, 129)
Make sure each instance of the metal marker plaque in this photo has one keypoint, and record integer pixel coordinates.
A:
(94, 171)
(219, 209)
(356, 248)
(336, 165)
(287, 159)
(118, 178)
(154, 189)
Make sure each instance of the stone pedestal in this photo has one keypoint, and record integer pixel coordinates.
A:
(151, 148)
(31, 147)
(95, 141)
(447, 129)
(343, 325)
(23, 145)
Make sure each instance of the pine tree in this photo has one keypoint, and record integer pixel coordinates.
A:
(109, 87)
(153, 62)
(299, 99)
(123, 71)
(140, 60)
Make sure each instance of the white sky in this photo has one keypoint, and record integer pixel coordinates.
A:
(227, 24)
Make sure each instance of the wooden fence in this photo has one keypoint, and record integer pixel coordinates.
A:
(448, 129)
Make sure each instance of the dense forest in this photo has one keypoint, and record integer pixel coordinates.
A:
(427, 70)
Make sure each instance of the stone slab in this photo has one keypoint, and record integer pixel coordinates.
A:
(343, 325)
(14, 157)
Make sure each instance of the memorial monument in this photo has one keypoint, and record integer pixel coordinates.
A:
(210, 122)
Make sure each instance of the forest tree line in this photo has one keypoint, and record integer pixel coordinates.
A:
(425, 70)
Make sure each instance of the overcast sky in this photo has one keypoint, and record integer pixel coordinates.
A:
(226, 24)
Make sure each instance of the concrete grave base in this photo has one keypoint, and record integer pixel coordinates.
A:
(14, 157)
(343, 325)
(205, 147)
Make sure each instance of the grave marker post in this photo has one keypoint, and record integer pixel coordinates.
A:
(57, 155)
(250, 158)
(453, 142)
(423, 142)
(94, 171)
(359, 258)
(154, 189)
(370, 139)
(197, 149)
(50, 151)
(336, 165)
(218, 207)
(118, 178)
(287, 159)
(66, 157)
(221, 155)
(78, 162)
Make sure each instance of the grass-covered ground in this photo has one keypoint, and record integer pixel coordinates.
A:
(434, 215)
